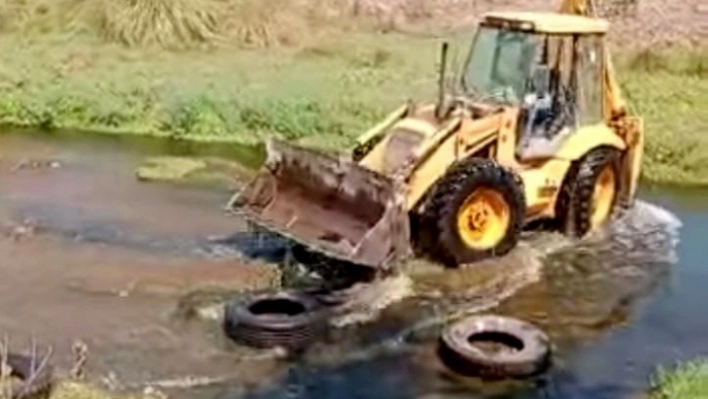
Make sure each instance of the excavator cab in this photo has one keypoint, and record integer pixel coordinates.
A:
(548, 65)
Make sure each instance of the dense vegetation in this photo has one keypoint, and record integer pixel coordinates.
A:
(238, 70)
(685, 381)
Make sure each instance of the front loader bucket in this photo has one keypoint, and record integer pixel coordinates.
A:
(329, 204)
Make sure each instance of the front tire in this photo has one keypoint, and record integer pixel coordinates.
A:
(477, 210)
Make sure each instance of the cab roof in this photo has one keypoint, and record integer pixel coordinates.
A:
(548, 22)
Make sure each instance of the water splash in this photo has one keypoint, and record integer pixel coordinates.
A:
(624, 259)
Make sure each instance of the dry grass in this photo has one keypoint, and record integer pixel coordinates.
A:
(64, 388)
(175, 24)
(268, 23)
(260, 23)
(30, 16)
(166, 23)
(8, 384)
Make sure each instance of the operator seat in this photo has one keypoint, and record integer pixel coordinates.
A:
(551, 124)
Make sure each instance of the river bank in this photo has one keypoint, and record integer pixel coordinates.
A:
(684, 381)
(321, 94)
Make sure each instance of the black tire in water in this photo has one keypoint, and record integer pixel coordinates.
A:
(476, 211)
(37, 382)
(525, 350)
(288, 320)
(589, 195)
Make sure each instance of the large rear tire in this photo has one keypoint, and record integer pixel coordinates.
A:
(477, 211)
(590, 193)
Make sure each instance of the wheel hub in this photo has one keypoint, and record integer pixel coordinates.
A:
(478, 217)
(483, 218)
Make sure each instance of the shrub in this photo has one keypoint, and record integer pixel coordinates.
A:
(167, 23)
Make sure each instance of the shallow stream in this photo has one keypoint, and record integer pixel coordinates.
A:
(92, 254)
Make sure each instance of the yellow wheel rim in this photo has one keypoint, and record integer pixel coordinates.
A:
(603, 196)
(483, 219)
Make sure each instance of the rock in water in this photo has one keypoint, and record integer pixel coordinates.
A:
(168, 168)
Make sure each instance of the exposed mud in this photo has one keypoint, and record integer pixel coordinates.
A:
(635, 23)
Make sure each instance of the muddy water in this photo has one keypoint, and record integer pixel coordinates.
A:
(89, 253)
(92, 254)
(606, 302)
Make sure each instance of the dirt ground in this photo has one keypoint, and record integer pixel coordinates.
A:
(644, 23)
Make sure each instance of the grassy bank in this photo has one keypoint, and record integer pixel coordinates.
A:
(670, 91)
(321, 91)
(685, 381)
(324, 93)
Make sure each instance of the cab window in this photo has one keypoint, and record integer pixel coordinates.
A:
(499, 64)
(589, 79)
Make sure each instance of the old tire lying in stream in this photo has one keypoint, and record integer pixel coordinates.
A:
(286, 319)
(526, 351)
(36, 382)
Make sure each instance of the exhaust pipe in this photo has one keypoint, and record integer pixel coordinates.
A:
(441, 109)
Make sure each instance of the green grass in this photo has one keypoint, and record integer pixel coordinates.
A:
(671, 92)
(328, 92)
(253, 69)
(322, 94)
(685, 381)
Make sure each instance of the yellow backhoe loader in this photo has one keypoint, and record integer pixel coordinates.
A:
(535, 128)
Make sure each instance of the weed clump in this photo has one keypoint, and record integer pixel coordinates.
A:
(685, 381)
(649, 61)
(166, 23)
(268, 23)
